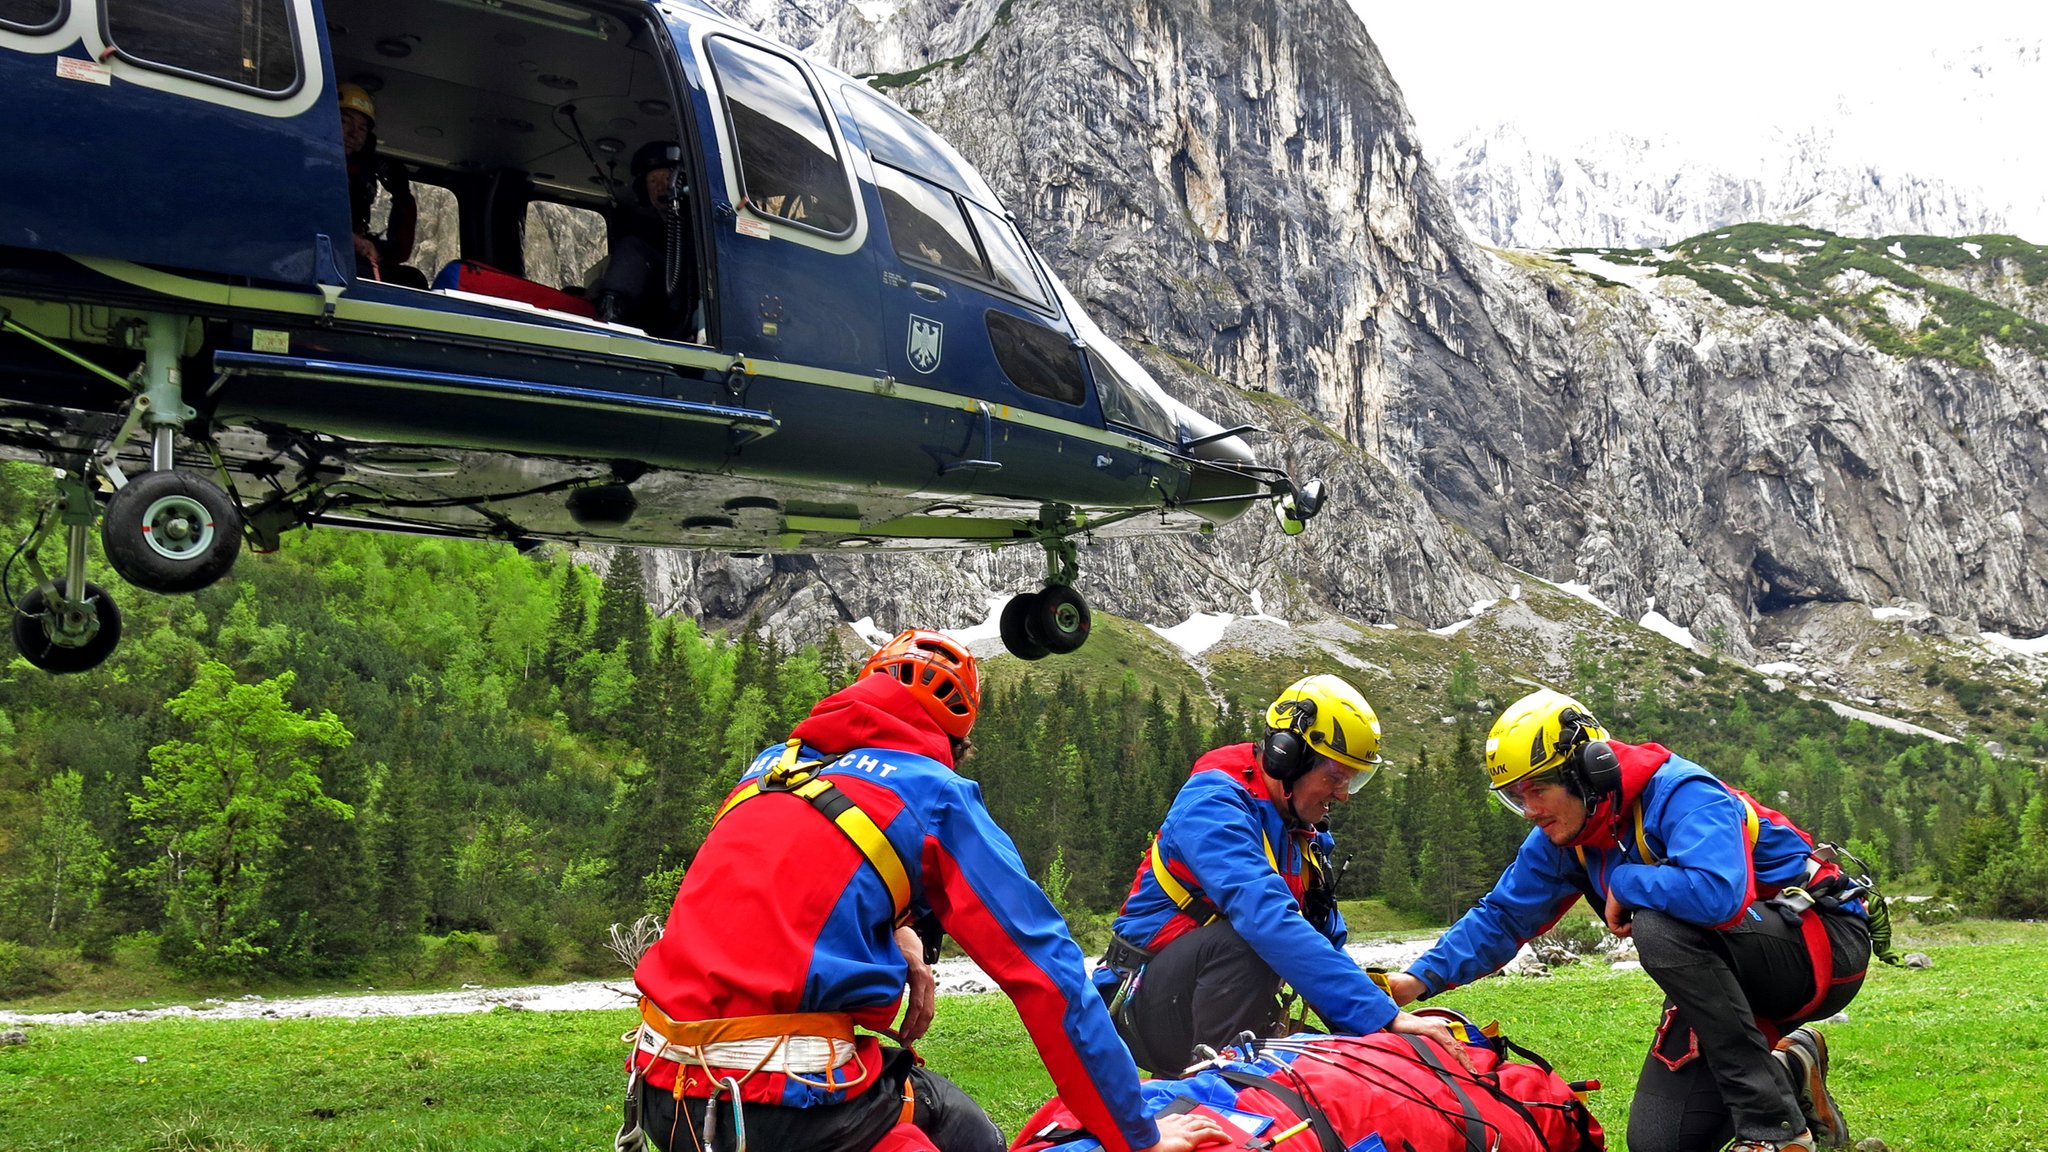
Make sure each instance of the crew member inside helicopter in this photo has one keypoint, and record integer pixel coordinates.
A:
(377, 257)
(649, 280)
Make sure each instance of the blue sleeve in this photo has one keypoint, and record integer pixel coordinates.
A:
(977, 884)
(1527, 899)
(1705, 876)
(1216, 835)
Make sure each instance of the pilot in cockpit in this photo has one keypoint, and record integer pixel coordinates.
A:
(649, 280)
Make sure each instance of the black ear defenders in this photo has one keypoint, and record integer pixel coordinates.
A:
(1598, 768)
(1285, 754)
(1591, 767)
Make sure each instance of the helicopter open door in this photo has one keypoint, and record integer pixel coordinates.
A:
(170, 115)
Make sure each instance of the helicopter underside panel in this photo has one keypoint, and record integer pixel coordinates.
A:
(495, 495)
(412, 419)
(447, 490)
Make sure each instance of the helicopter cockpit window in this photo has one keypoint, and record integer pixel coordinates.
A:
(31, 15)
(1009, 262)
(789, 165)
(925, 223)
(1038, 359)
(247, 44)
(1129, 405)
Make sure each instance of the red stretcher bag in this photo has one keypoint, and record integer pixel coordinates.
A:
(484, 280)
(1365, 1093)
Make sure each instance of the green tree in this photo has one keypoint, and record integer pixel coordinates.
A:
(1450, 869)
(213, 806)
(496, 868)
(568, 634)
(1461, 691)
(622, 616)
(747, 730)
(1396, 873)
(66, 860)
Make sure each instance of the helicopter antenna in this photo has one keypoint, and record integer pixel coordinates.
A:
(610, 194)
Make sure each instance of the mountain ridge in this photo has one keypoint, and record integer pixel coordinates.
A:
(1239, 194)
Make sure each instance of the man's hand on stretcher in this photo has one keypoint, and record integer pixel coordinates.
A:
(1404, 989)
(1432, 1029)
(1184, 1133)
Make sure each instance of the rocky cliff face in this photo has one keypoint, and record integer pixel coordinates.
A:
(1628, 192)
(1237, 187)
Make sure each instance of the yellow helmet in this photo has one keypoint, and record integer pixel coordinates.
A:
(1320, 716)
(1537, 734)
(356, 98)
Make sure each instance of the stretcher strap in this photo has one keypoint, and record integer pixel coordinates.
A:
(1326, 1135)
(1474, 1126)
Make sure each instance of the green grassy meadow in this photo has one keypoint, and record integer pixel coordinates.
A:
(1943, 1058)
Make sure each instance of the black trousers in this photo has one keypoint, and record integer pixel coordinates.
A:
(1204, 988)
(1709, 1076)
(948, 1116)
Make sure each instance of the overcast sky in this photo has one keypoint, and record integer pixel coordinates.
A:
(1954, 89)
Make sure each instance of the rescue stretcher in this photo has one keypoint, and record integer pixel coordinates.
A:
(1377, 1093)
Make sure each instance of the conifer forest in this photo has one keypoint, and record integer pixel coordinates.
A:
(365, 744)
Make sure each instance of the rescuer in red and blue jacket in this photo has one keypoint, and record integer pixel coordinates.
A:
(1234, 895)
(1745, 926)
(787, 934)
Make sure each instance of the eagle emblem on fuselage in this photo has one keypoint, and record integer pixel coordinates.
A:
(926, 340)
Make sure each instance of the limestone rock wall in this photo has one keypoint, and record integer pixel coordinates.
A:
(1236, 192)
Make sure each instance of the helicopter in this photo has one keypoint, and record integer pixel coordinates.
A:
(851, 345)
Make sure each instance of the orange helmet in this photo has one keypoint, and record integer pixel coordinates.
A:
(938, 671)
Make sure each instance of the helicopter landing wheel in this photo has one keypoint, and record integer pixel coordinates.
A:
(1016, 630)
(1059, 619)
(70, 635)
(171, 532)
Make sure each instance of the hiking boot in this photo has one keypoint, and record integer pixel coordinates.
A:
(1805, 1053)
(1802, 1142)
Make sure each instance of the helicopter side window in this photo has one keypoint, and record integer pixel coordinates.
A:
(438, 233)
(31, 16)
(1038, 359)
(1009, 263)
(247, 44)
(925, 223)
(789, 166)
(562, 244)
(1126, 404)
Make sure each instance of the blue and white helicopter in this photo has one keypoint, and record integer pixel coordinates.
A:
(841, 340)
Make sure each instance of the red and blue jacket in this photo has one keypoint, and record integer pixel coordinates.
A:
(1693, 860)
(1227, 844)
(780, 913)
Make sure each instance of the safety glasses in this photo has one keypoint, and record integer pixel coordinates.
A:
(1513, 796)
(1350, 779)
